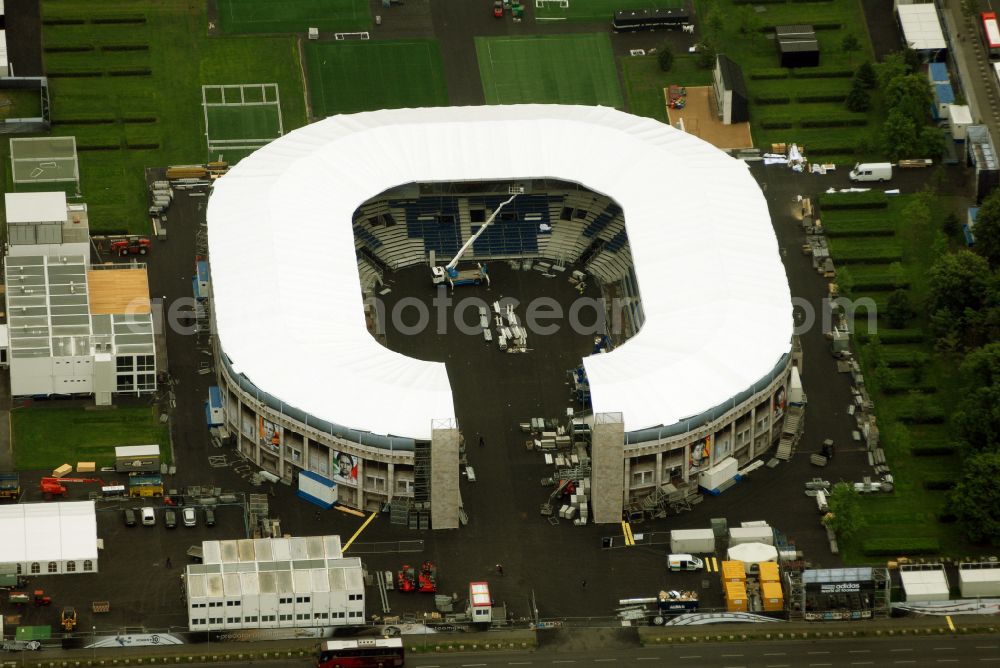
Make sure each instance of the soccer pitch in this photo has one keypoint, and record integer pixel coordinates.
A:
(240, 118)
(262, 16)
(596, 10)
(563, 69)
(351, 76)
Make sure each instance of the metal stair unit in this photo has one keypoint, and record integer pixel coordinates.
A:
(419, 515)
(791, 432)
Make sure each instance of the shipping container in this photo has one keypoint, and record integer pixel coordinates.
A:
(733, 571)
(736, 597)
(769, 572)
(692, 541)
(740, 535)
(719, 474)
(772, 598)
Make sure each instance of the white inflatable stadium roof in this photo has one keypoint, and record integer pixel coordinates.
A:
(288, 302)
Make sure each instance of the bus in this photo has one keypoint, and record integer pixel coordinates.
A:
(650, 19)
(991, 35)
(996, 72)
(361, 653)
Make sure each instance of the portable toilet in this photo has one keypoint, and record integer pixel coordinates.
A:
(480, 603)
(771, 596)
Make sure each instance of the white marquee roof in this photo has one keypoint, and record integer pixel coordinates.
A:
(36, 207)
(48, 532)
(288, 301)
(921, 27)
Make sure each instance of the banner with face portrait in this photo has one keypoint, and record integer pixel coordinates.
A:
(701, 454)
(269, 434)
(345, 468)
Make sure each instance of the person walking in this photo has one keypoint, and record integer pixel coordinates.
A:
(500, 569)
(168, 563)
(482, 441)
(583, 584)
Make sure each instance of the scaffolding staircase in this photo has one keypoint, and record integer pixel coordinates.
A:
(419, 513)
(791, 432)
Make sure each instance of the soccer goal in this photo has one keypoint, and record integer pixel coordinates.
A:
(44, 160)
(561, 4)
(240, 118)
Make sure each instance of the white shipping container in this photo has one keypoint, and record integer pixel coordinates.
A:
(692, 541)
(979, 580)
(740, 535)
(722, 472)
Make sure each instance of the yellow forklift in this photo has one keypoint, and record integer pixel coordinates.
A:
(68, 618)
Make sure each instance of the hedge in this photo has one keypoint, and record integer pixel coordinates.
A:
(776, 125)
(885, 258)
(851, 234)
(933, 450)
(900, 546)
(816, 73)
(901, 335)
(937, 484)
(871, 199)
(835, 122)
(120, 20)
(765, 74)
(821, 98)
(772, 100)
(815, 150)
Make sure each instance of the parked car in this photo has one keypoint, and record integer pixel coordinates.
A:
(148, 516)
(189, 516)
(129, 517)
(170, 518)
(209, 517)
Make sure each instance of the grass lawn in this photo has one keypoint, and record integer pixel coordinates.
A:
(743, 38)
(142, 105)
(599, 10)
(645, 81)
(564, 69)
(348, 77)
(259, 122)
(20, 103)
(257, 16)
(45, 438)
(910, 405)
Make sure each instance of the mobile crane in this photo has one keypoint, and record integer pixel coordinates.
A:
(476, 276)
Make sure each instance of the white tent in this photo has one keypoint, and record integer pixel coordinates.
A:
(717, 306)
(921, 27)
(49, 538)
(752, 553)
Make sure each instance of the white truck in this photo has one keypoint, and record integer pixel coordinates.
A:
(684, 562)
(871, 171)
(692, 541)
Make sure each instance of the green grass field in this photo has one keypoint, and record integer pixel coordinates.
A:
(564, 69)
(45, 438)
(348, 77)
(20, 103)
(645, 81)
(743, 38)
(911, 511)
(258, 123)
(142, 106)
(598, 10)
(263, 16)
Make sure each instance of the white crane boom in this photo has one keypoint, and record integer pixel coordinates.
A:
(472, 239)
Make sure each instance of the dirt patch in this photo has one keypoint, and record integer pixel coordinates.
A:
(700, 119)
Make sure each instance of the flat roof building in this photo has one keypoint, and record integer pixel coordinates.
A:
(269, 583)
(49, 538)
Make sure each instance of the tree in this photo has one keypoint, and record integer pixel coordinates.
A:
(850, 44)
(845, 281)
(975, 500)
(919, 362)
(858, 99)
(950, 225)
(706, 54)
(898, 275)
(987, 229)
(892, 66)
(982, 366)
(898, 310)
(865, 75)
(844, 518)
(930, 142)
(958, 281)
(749, 20)
(665, 56)
(899, 135)
(977, 419)
(910, 94)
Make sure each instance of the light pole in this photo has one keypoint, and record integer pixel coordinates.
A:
(93, 641)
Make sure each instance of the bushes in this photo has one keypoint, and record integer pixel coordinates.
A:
(776, 125)
(772, 100)
(938, 484)
(834, 122)
(818, 73)
(872, 199)
(947, 450)
(768, 74)
(899, 546)
(820, 98)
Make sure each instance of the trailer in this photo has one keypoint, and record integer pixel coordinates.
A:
(692, 541)
(740, 535)
(10, 487)
(656, 610)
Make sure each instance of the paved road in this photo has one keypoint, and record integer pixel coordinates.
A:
(940, 651)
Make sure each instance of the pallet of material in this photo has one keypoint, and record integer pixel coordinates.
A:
(86, 467)
(817, 460)
(63, 470)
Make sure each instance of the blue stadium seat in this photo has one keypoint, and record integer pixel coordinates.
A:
(602, 220)
(433, 219)
(516, 231)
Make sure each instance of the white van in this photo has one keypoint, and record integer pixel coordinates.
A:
(871, 171)
(684, 562)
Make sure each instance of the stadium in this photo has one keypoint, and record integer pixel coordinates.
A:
(306, 234)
